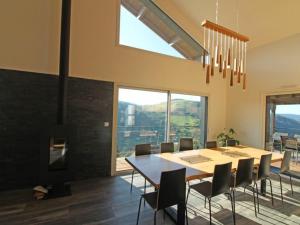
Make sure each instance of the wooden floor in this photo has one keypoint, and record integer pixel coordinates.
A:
(108, 201)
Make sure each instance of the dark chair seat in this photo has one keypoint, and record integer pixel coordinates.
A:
(151, 199)
(204, 188)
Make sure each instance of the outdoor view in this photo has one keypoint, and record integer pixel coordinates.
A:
(143, 118)
(283, 120)
(288, 119)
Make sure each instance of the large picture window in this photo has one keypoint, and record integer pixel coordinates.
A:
(147, 116)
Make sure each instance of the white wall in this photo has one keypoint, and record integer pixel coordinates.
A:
(30, 41)
(29, 38)
(272, 69)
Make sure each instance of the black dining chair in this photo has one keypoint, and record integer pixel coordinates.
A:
(211, 144)
(220, 185)
(231, 142)
(186, 144)
(141, 149)
(243, 178)
(263, 173)
(284, 170)
(171, 192)
(167, 147)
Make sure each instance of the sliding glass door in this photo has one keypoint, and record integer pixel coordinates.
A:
(147, 116)
(282, 119)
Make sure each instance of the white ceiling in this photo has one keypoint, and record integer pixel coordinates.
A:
(264, 21)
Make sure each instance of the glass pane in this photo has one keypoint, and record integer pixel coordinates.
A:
(187, 118)
(136, 34)
(144, 25)
(142, 117)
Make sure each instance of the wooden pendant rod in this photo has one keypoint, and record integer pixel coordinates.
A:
(224, 30)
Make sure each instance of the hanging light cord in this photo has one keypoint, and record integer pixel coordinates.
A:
(217, 10)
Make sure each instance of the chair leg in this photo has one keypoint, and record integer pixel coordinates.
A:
(138, 216)
(255, 184)
(232, 205)
(187, 196)
(145, 191)
(209, 203)
(233, 196)
(291, 182)
(186, 216)
(131, 180)
(280, 188)
(254, 201)
(204, 202)
(155, 217)
(271, 190)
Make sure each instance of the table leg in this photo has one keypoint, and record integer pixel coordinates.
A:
(263, 185)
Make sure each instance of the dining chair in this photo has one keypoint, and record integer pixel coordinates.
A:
(284, 170)
(141, 149)
(243, 178)
(231, 142)
(292, 145)
(220, 185)
(167, 147)
(263, 173)
(211, 144)
(171, 192)
(283, 140)
(186, 144)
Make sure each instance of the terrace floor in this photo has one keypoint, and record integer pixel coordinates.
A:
(108, 201)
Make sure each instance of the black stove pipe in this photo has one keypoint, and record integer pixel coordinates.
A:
(64, 61)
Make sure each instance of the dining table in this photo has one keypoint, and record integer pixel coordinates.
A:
(199, 164)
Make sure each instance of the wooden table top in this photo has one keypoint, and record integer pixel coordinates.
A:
(198, 163)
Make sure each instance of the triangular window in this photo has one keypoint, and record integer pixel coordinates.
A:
(145, 26)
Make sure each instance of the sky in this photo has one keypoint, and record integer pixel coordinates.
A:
(288, 109)
(141, 97)
(136, 34)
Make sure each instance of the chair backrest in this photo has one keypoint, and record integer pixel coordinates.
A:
(221, 179)
(283, 139)
(143, 149)
(231, 142)
(276, 136)
(264, 166)
(167, 147)
(172, 188)
(244, 172)
(185, 144)
(211, 144)
(285, 164)
(297, 136)
(291, 143)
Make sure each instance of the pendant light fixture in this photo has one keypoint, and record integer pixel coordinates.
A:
(227, 51)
